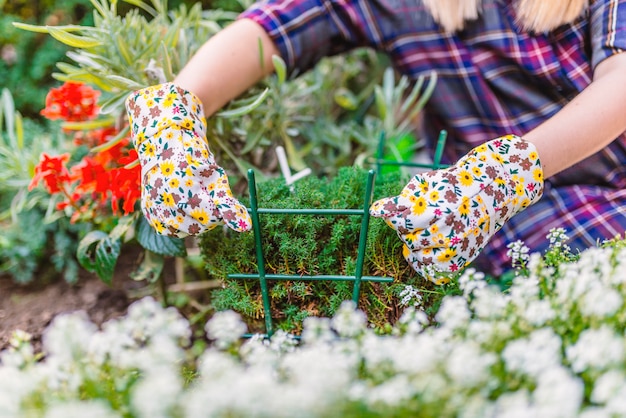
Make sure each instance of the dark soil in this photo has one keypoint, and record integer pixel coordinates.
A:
(32, 307)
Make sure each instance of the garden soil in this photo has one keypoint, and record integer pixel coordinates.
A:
(32, 307)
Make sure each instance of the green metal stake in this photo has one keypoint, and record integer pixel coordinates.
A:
(254, 214)
(365, 221)
(441, 142)
(436, 164)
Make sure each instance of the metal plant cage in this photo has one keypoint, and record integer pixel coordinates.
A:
(357, 278)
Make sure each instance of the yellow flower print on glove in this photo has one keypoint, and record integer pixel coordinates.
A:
(446, 217)
(184, 191)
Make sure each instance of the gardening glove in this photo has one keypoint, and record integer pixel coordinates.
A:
(184, 192)
(446, 217)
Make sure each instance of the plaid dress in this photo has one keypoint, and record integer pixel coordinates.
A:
(493, 79)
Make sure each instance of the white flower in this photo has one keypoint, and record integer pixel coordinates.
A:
(558, 393)
(557, 238)
(147, 318)
(453, 312)
(538, 312)
(411, 296)
(412, 321)
(489, 302)
(216, 365)
(595, 412)
(597, 349)
(524, 290)
(81, 409)
(600, 301)
(318, 375)
(20, 352)
(607, 386)
(392, 392)
(471, 280)
(156, 394)
(518, 253)
(15, 385)
(282, 342)
(67, 337)
(514, 405)
(316, 330)
(488, 333)
(256, 351)
(349, 321)
(468, 365)
(225, 328)
(532, 355)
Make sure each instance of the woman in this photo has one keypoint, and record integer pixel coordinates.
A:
(546, 79)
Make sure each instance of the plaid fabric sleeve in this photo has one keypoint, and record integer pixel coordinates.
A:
(589, 214)
(305, 31)
(608, 29)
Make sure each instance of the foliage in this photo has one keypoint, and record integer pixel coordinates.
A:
(551, 346)
(317, 116)
(28, 59)
(311, 245)
(35, 240)
(119, 54)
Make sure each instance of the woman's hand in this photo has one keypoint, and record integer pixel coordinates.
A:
(184, 191)
(446, 217)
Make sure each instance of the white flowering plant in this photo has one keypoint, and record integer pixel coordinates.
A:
(552, 345)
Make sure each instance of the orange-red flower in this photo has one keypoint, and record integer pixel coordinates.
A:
(72, 102)
(53, 172)
(99, 183)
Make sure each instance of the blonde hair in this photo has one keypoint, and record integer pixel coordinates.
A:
(533, 15)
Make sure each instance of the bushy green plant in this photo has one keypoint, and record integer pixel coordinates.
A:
(313, 245)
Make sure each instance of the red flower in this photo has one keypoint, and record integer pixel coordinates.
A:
(72, 102)
(52, 171)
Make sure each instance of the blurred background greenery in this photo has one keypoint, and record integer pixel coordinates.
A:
(28, 59)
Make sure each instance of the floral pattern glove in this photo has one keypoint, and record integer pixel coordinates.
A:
(184, 192)
(446, 217)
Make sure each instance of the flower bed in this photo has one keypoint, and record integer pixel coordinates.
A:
(552, 345)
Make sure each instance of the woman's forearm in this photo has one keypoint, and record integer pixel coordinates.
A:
(586, 124)
(228, 64)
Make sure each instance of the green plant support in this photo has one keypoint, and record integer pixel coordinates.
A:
(263, 277)
(358, 277)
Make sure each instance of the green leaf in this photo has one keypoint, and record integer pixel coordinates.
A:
(75, 41)
(123, 225)
(150, 268)
(86, 249)
(113, 141)
(107, 253)
(114, 103)
(142, 5)
(381, 106)
(243, 110)
(346, 99)
(160, 244)
(123, 82)
(45, 29)
(8, 109)
(167, 63)
(281, 69)
(88, 124)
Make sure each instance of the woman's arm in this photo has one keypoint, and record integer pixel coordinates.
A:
(588, 123)
(228, 64)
